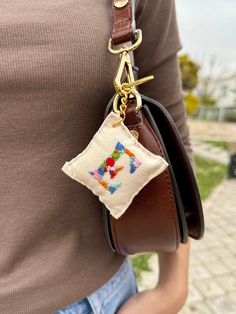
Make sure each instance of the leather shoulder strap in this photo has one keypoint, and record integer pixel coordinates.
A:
(123, 25)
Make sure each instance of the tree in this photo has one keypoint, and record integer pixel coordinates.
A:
(213, 77)
(189, 72)
(192, 102)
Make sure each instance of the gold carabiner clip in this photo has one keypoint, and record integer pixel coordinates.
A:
(126, 88)
(125, 65)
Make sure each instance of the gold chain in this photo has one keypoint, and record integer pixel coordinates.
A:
(122, 109)
(124, 90)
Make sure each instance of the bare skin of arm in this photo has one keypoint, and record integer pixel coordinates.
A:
(170, 294)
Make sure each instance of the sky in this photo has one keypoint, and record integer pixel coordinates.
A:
(208, 27)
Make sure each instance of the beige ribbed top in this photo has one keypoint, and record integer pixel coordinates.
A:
(55, 80)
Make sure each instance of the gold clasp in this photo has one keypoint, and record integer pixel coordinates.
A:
(124, 90)
(135, 45)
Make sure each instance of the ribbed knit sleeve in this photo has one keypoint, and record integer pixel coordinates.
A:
(157, 56)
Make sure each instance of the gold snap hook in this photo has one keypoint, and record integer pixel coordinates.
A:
(127, 89)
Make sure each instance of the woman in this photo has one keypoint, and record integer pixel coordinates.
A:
(56, 79)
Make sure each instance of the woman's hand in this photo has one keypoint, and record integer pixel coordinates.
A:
(170, 294)
(155, 301)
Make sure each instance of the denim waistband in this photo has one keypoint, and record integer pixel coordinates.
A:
(110, 296)
(121, 285)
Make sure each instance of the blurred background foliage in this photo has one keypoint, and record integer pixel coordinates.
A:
(210, 91)
(189, 71)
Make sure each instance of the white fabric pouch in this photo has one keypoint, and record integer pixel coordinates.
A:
(114, 166)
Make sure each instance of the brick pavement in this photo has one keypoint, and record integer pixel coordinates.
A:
(212, 272)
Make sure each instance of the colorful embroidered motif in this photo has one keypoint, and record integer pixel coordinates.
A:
(108, 166)
(115, 178)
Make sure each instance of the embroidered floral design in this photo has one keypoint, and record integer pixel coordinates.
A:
(108, 166)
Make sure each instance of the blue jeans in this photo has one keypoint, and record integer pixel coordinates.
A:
(109, 297)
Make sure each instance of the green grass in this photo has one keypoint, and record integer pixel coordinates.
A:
(208, 174)
(220, 144)
(140, 264)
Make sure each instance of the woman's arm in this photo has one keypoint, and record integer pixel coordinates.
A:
(170, 294)
(173, 275)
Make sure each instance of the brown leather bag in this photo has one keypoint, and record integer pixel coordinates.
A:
(168, 209)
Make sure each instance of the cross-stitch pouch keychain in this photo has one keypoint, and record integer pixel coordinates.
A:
(115, 166)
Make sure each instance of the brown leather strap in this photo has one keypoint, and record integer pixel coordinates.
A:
(123, 25)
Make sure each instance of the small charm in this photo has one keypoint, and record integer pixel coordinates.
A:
(114, 166)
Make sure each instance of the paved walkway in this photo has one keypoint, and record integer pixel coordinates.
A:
(212, 274)
(206, 130)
